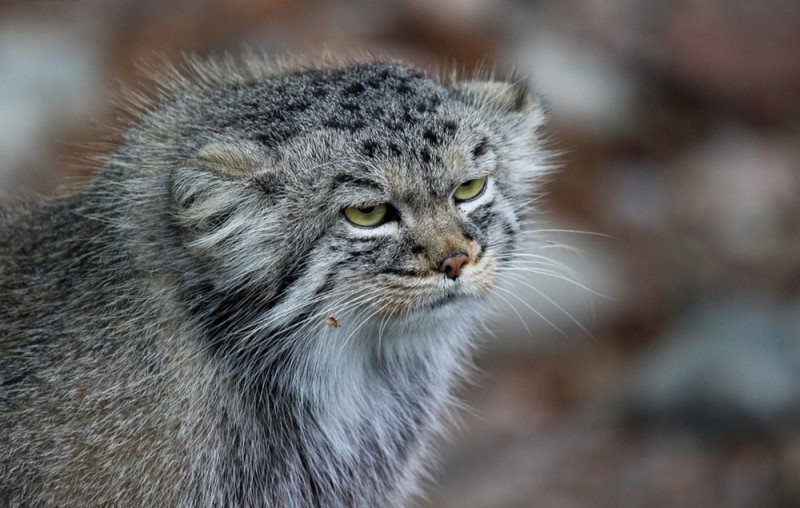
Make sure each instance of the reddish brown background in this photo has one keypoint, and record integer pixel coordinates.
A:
(678, 130)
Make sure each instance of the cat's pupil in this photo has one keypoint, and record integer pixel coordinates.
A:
(367, 209)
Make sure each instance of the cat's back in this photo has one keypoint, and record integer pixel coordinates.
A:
(45, 263)
(74, 317)
(44, 259)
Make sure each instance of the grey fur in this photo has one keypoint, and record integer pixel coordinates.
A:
(164, 332)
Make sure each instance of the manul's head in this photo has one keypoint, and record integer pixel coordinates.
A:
(369, 190)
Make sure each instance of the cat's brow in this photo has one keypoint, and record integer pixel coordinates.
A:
(345, 179)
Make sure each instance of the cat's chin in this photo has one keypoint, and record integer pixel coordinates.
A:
(446, 303)
(453, 295)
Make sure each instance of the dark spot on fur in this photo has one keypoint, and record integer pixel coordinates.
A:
(216, 220)
(376, 113)
(368, 248)
(450, 127)
(509, 230)
(431, 137)
(425, 153)
(354, 89)
(481, 148)
(350, 106)
(188, 202)
(344, 179)
(404, 272)
(266, 138)
(521, 100)
(395, 150)
(266, 182)
(369, 148)
(484, 215)
(297, 106)
(14, 380)
(349, 126)
(270, 117)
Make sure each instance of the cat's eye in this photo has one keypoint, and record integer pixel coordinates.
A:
(367, 216)
(470, 189)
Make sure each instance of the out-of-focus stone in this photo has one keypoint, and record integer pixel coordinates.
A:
(725, 369)
(731, 53)
(588, 90)
(50, 78)
(740, 188)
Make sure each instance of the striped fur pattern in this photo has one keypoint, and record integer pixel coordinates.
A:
(202, 326)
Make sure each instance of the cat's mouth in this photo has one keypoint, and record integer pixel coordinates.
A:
(450, 296)
(413, 293)
(473, 283)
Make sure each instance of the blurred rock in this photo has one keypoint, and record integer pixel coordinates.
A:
(526, 446)
(726, 369)
(635, 196)
(50, 78)
(736, 54)
(587, 89)
(740, 187)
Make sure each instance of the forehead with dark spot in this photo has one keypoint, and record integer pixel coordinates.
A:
(386, 110)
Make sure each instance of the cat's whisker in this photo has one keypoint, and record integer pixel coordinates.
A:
(558, 276)
(555, 304)
(355, 329)
(530, 257)
(532, 309)
(385, 321)
(512, 307)
(273, 318)
(544, 264)
(582, 254)
(518, 264)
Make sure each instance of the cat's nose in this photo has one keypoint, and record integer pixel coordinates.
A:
(452, 264)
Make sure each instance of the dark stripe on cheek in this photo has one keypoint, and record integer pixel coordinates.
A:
(509, 230)
(404, 272)
(367, 251)
(219, 314)
(483, 216)
(330, 279)
(223, 313)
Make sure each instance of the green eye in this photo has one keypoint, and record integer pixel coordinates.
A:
(470, 190)
(366, 216)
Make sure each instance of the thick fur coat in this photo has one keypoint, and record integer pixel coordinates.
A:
(203, 325)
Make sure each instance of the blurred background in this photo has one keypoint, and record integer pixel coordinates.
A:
(656, 360)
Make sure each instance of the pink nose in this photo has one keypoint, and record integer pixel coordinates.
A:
(452, 265)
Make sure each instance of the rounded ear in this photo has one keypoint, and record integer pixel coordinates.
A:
(221, 178)
(235, 159)
(501, 96)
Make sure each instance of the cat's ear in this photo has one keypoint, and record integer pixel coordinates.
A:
(233, 159)
(220, 179)
(499, 96)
